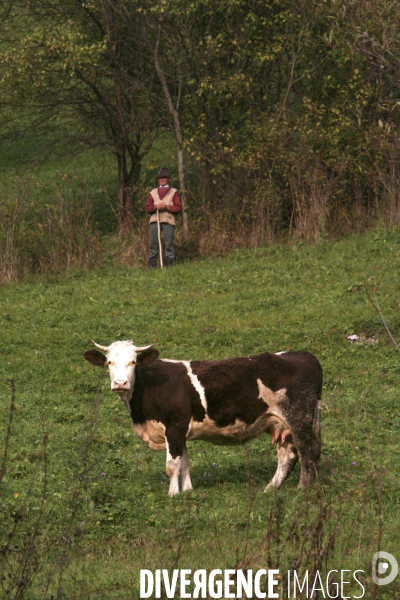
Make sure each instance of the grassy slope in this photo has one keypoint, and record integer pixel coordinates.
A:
(275, 299)
(56, 163)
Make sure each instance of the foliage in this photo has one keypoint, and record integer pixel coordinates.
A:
(282, 297)
(82, 66)
(285, 113)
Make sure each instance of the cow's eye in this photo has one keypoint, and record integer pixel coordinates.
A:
(132, 363)
(109, 363)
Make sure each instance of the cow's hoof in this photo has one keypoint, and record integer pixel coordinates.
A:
(306, 480)
(305, 483)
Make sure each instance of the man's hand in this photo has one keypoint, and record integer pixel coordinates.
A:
(160, 205)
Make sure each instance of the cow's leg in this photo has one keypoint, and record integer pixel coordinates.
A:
(186, 481)
(308, 446)
(173, 469)
(287, 458)
(308, 455)
(177, 458)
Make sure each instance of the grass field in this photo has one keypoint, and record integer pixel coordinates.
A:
(95, 502)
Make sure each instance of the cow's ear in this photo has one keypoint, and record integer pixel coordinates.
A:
(148, 356)
(95, 357)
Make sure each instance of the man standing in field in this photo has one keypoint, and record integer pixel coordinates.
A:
(163, 204)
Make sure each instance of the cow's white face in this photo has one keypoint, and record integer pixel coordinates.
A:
(121, 362)
(121, 359)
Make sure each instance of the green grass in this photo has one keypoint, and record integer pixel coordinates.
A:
(281, 297)
(54, 162)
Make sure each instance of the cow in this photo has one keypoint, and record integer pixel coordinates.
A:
(225, 402)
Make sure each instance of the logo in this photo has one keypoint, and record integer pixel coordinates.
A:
(381, 561)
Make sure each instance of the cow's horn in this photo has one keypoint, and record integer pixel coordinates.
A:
(105, 348)
(141, 348)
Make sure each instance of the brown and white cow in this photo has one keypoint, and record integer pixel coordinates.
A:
(225, 402)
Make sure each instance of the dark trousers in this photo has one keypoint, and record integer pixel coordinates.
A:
(168, 232)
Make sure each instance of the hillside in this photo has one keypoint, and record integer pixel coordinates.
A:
(95, 500)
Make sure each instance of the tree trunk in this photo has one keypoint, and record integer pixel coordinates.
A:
(178, 132)
(127, 190)
(181, 171)
(122, 205)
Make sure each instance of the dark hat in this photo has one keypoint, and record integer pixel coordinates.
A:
(163, 172)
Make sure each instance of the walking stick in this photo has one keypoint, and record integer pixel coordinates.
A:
(159, 239)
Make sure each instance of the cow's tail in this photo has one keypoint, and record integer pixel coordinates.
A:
(317, 426)
(317, 417)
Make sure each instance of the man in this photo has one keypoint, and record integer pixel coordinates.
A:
(165, 201)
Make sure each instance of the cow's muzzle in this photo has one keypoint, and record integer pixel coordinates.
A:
(120, 386)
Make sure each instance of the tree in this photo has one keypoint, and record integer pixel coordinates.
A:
(174, 110)
(85, 63)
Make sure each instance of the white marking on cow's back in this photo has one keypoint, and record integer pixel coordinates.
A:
(197, 385)
(171, 360)
(278, 353)
(194, 380)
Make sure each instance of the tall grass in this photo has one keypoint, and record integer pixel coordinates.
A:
(36, 559)
(46, 237)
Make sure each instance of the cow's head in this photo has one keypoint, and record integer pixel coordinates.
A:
(121, 359)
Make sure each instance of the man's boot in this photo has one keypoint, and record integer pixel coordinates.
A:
(169, 262)
(152, 263)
